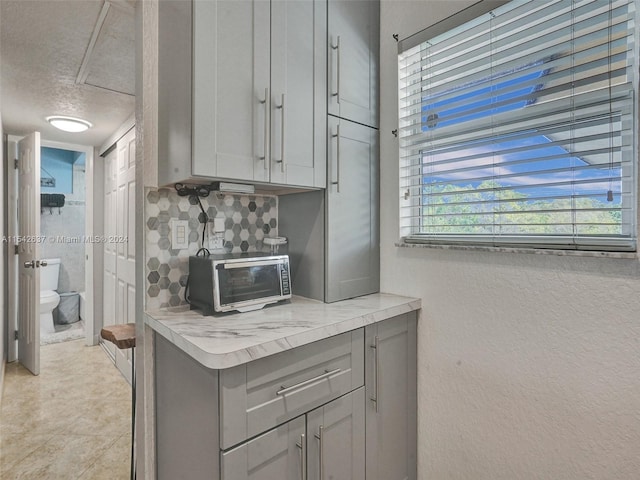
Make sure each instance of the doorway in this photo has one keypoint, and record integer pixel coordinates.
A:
(65, 234)
(63, 227)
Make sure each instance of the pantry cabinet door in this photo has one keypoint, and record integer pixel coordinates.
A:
(298, 85)
(353, 251)
(353, 44)
(230, 76)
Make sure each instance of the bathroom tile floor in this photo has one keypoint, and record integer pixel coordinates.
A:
(70, 422)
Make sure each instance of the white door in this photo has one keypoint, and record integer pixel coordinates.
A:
(109, 279)
(119, 261)
(29, 252)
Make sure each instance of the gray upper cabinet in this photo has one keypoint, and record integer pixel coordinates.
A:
(230, 74)
(354, 38)
(241, 91)
(352, 248)
(390, 382)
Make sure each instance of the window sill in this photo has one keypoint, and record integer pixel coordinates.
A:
(534, 251)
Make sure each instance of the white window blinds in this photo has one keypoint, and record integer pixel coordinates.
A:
(518, 128)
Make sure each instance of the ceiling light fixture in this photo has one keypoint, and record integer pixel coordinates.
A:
(69, 124)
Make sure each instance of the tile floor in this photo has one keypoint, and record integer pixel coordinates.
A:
(70, 422)
(63, 333)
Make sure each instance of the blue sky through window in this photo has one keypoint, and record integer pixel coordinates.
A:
(531, 172)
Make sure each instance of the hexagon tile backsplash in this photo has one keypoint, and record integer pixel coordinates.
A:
(248, 219)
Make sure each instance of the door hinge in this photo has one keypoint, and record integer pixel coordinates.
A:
(15, 335)
(16, 163)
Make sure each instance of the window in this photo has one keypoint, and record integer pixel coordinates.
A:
(518, 128)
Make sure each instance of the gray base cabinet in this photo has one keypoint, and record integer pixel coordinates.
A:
(336, 439)
(277, 455)
(342, 408)
(328, 442)
(391, 412)
(187, 425)
(257, 396)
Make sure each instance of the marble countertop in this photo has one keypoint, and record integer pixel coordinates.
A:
(226, 341)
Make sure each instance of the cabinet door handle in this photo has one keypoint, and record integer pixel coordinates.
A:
(336, 47)
(327, 373)
(282, 138)
(337, 137)
(376, 368)
(266, 128)
(302, 445)
(320, 437)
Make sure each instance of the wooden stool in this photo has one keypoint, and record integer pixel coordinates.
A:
(123, 336)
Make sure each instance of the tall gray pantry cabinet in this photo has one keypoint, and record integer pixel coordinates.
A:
(334, 235)
(241, 92)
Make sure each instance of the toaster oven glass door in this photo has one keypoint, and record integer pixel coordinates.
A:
(246, 283)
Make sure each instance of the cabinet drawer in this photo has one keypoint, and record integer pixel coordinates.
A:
(260, 395)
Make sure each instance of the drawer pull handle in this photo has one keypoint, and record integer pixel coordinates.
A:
(376, 366)
(320, 437)
(327, 373)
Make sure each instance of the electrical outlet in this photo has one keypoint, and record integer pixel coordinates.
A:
(179, 234)
(217, 242)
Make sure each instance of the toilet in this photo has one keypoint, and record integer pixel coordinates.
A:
(49, 298)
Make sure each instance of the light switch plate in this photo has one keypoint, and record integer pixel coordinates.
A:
(179, 234)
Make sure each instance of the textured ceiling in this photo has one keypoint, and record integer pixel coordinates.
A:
(43, 44)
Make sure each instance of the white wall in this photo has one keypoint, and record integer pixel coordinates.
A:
(529, 365)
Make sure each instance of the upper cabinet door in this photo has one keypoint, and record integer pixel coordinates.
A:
(298, 85)
(354, 27)
(230, 79)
